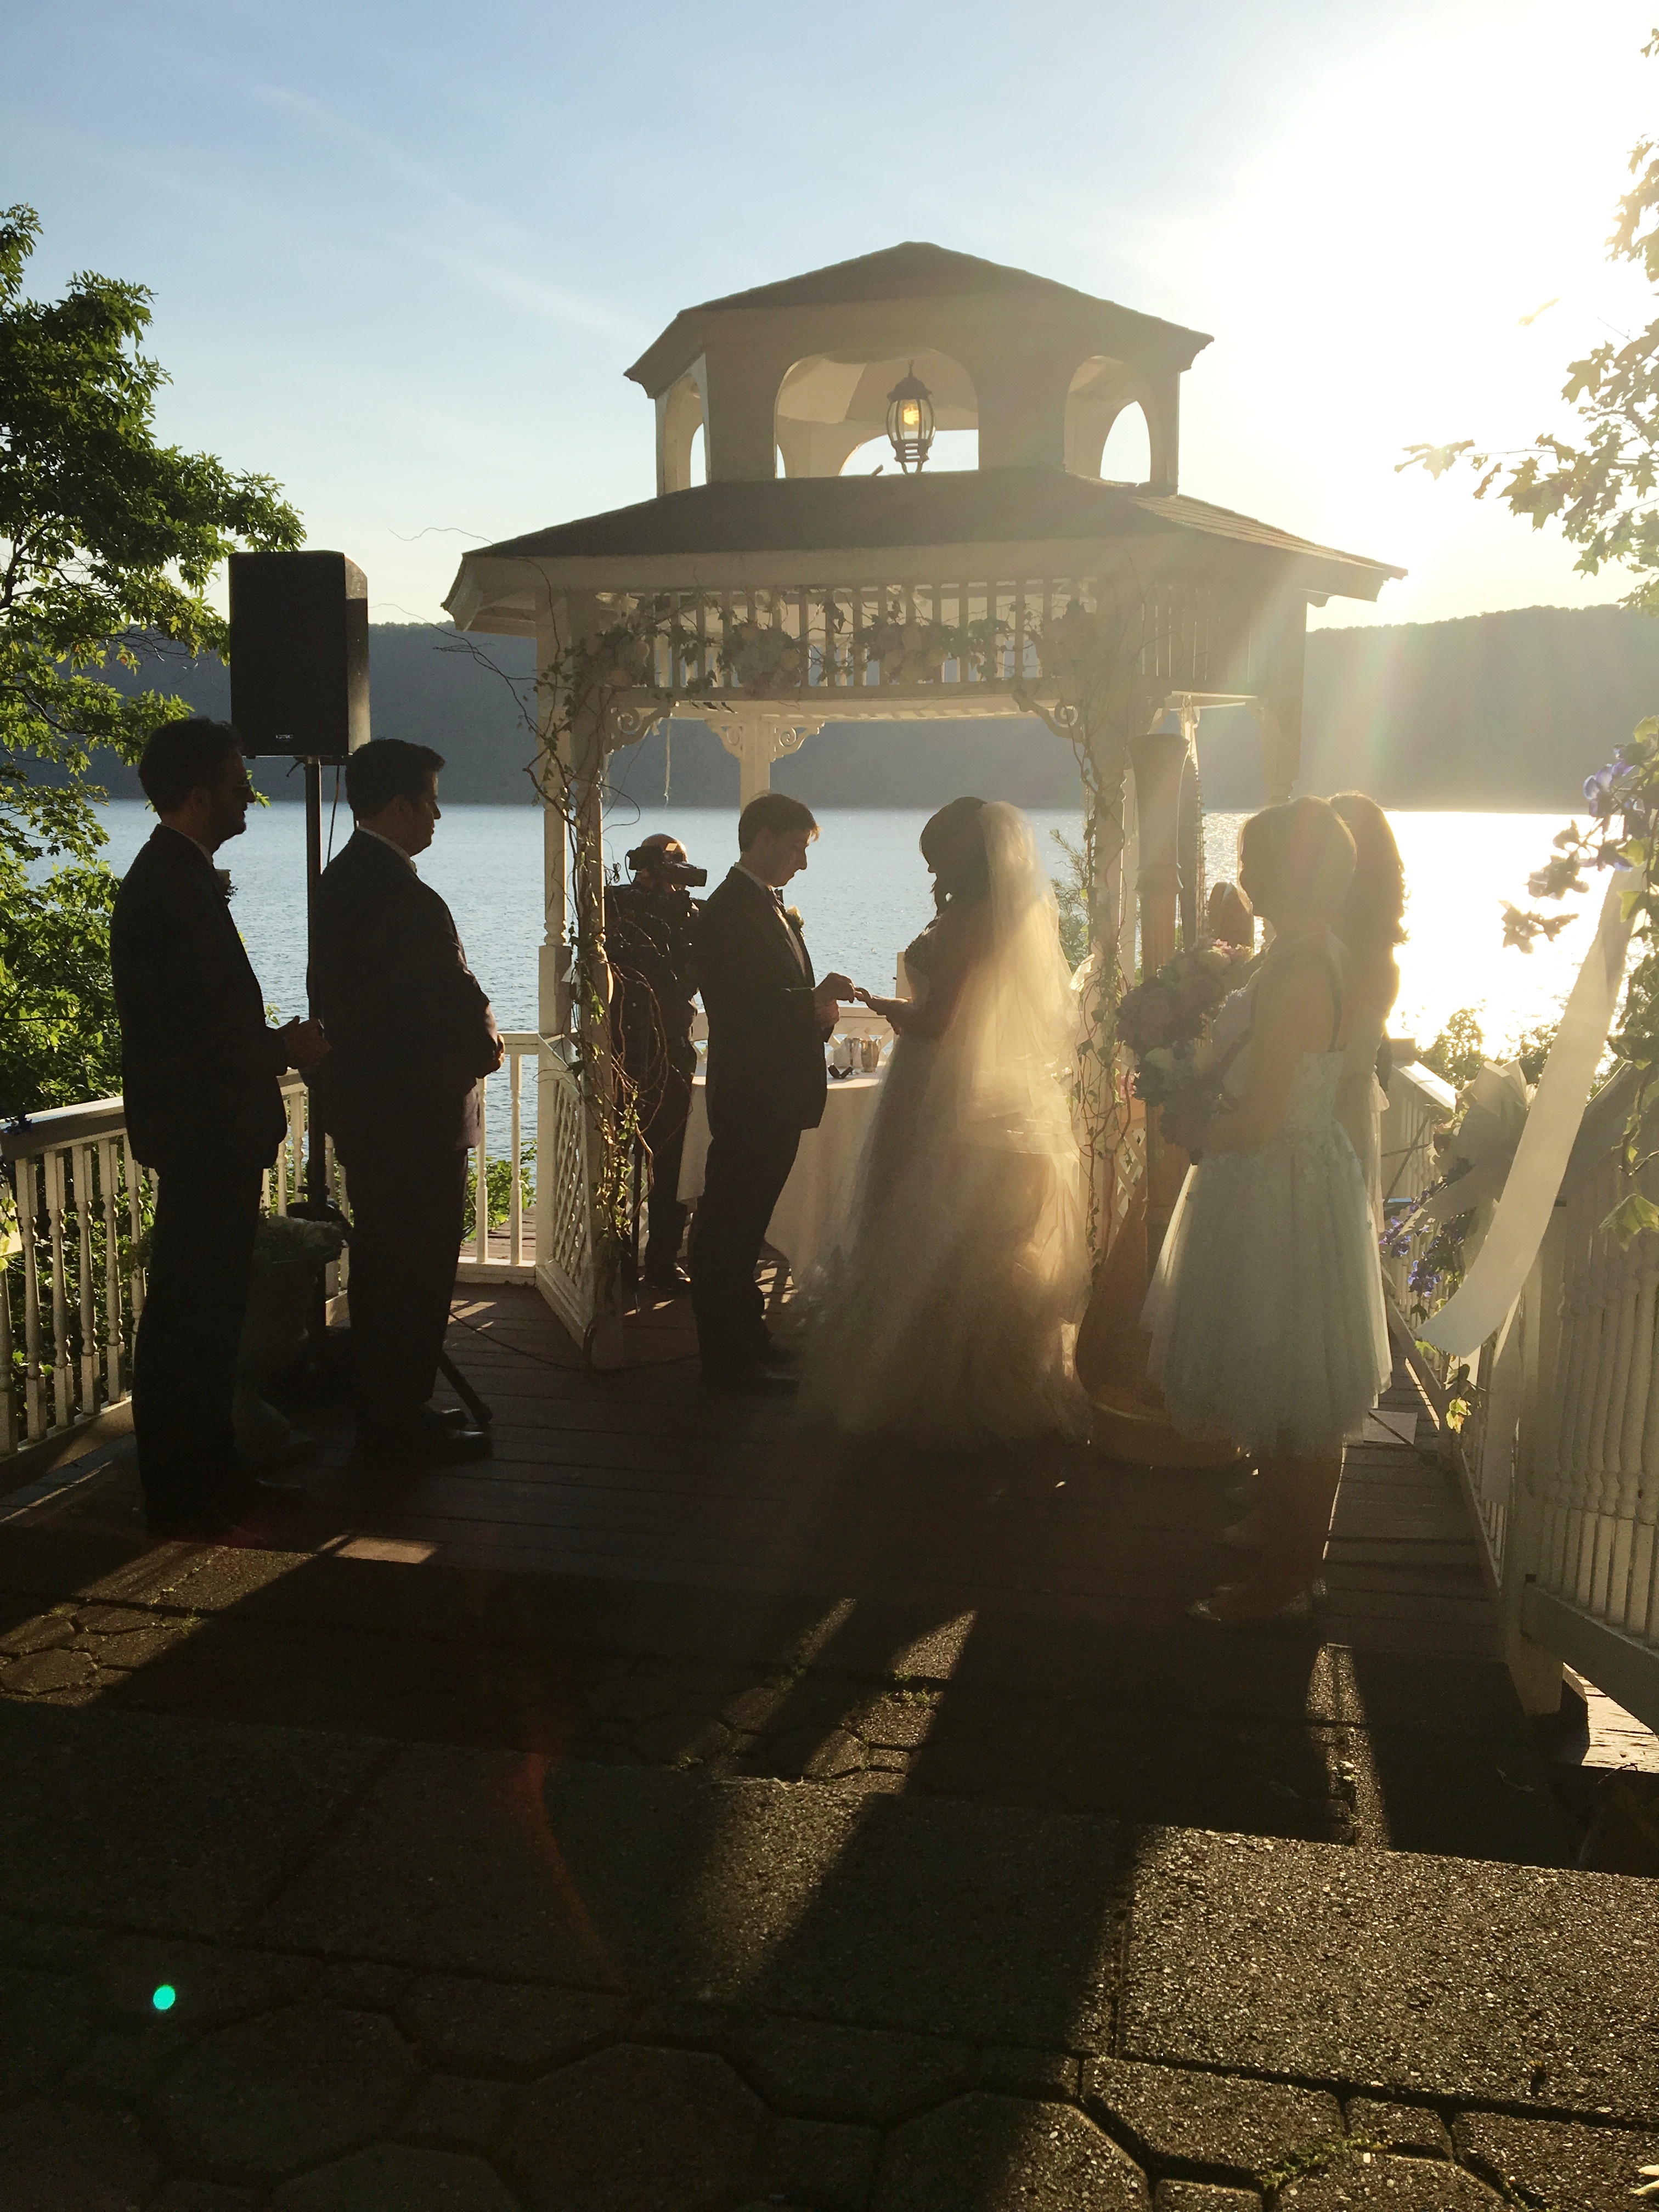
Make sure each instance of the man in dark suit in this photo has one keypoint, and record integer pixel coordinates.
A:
(767, 1020)
(199, 1073)
(411, 1032)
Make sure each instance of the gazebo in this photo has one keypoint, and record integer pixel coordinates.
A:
(782, 594)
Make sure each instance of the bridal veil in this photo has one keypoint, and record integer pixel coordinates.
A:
(945, 1307)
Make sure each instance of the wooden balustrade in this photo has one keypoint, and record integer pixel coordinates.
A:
(75, 1205)
(73, 1210)
(900, 637)
(504, 1251)
(1560, 1453)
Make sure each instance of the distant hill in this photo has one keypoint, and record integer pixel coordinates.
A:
(1507, 710)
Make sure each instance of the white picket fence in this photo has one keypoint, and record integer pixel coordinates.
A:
(73, 1205)
(1560, 1453)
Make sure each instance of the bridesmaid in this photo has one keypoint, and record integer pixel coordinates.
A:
(1368, 923)
(1266, 1309)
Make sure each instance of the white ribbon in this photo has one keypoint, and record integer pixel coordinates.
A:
(1504, 1260)
(1482, 1153)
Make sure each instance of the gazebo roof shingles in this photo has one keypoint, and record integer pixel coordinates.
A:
(811, 515)
(917, 269)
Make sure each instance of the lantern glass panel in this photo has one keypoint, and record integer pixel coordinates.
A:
(910, 420)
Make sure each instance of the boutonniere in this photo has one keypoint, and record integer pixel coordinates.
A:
(791, 915)
(227, 889)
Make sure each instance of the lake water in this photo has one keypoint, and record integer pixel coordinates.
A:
(865, 894)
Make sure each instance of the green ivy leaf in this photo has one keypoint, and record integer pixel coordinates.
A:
(1632, 1218)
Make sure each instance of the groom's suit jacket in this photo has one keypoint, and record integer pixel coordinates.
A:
(765, 1043)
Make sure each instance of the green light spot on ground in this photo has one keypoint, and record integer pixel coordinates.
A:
(165, 1999)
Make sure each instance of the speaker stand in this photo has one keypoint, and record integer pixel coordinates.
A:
(317, 1205)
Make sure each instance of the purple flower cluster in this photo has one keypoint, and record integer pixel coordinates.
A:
(1625, 787)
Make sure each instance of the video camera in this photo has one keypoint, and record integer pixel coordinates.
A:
(680, 873)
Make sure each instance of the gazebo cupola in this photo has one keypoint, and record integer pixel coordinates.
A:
(801, 370)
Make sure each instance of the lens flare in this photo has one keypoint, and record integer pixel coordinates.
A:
(164, 1997)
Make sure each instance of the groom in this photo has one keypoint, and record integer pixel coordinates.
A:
(767, 1020)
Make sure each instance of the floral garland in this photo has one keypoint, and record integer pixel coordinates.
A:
(760, 652)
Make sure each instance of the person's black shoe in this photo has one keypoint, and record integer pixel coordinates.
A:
(257, 1495)
(751, 1381)
(421, 1443)
(669, 1282)
(194, 1524)
(778, 1356)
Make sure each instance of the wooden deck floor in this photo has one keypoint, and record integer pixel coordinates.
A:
(645, 1477)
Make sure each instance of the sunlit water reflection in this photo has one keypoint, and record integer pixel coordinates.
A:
(865, 894)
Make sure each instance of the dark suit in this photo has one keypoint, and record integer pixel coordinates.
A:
(766, 1084)
(411, 1032)
(199, 1073)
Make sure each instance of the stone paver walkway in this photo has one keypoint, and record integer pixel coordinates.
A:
(485, 1885)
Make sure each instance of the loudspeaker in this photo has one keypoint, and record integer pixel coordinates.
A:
(299, 654)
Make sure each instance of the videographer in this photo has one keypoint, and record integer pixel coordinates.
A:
(648, 939)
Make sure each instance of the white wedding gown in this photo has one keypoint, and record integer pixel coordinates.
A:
(944, 1306)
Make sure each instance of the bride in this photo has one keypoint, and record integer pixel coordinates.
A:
(944, 1308)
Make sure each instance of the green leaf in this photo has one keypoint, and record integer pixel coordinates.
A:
(1632, 1218)
(113, 542)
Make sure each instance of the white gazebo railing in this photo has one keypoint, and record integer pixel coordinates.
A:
(873, 640)
(76, 1206)
(73, 1210)
(1560, 1454)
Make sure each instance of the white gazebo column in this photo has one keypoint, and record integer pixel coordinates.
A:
(553, 960)
(1281, 750)
(1108, 946)
(1159, 758)
(1277, 705)
(757, 736)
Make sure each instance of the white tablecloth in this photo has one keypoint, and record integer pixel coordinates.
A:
(819, 1180)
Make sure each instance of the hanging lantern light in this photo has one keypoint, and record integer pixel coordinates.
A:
(910, 420)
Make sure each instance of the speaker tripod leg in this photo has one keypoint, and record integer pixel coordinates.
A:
(317, 1192)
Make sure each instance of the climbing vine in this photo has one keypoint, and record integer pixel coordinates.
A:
(1090, 649)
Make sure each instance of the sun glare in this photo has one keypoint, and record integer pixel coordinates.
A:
(1377, 275)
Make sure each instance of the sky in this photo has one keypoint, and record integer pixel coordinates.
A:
(401, 256)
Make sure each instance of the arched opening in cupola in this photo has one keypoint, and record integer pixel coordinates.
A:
(684, 447)
(1126, 456)
(1108, 428)
(831, 414)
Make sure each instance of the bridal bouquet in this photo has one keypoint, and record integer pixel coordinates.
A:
(1163, 1022)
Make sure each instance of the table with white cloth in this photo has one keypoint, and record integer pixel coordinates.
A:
(821, 1178)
